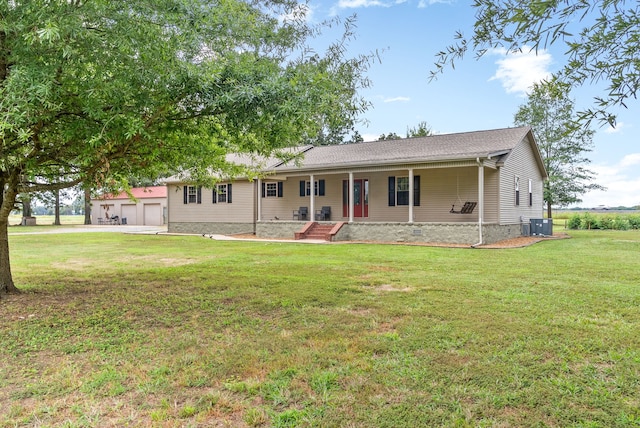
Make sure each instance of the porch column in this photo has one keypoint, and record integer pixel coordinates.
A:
(351, 188)
(411, 195)
(312, 193)
(480, 199)
(259, 196)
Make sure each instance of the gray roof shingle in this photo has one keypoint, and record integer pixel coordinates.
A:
(465, 145)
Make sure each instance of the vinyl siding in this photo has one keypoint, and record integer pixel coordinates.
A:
(241, 210)
(521, 162)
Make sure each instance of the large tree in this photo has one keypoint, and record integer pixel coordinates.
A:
(94, 91)
(562, 141)
(600, 39)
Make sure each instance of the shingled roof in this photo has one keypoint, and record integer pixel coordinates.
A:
(435, 148)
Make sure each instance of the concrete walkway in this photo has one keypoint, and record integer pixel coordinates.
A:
(30, 230)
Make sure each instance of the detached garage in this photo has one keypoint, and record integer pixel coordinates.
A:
(148, 208)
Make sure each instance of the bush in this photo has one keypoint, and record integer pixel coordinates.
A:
(589, 221)
(634, 221)
(606, 222)
(621, 223)
(575, 222)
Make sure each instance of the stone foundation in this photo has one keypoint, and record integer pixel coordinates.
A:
(446, 233)
(210, 228)
(278, 229)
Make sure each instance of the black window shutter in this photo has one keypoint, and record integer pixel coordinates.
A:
(280, 189)
(303, 188)
(185, 192)
(214, 196)
(229, 193)
(416, 190)
(264, 190)
(392, 191)
(199, 194)
(345, 192)
(320, 187)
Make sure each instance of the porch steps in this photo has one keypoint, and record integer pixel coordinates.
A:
(319, 231)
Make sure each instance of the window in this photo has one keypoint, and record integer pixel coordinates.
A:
(530, 192)
(399, 191)
(272, 190)
(402, 192)
(517, 189)
(318, 188)
(192, 194)
(222, 194)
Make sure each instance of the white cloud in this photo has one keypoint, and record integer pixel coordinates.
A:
(617, 129)
(354, 4)
(630, 160)
(424, 3)
(370, 137)
(520, 70)
(397, 99)
(621, 181)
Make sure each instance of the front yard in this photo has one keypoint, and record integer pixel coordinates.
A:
(137, 330)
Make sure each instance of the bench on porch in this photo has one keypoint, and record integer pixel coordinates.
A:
(467, 208)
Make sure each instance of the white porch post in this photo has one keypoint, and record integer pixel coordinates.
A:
(411, 195)
(480, 200)
(312, 193)
(259, 195)
(351, 197)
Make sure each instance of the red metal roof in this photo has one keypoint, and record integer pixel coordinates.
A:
(140, 193)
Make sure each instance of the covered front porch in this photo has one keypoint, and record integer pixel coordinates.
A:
(419, 203)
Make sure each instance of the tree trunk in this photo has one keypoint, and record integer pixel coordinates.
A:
(549, 214)
(6, 279)
(57, 208)
(87, 205)
(7, 201)
(26, 206)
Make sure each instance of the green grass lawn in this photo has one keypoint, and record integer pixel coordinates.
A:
(47, 220)
(172, 331)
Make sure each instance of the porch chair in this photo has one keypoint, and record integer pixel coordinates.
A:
(323, 214)
(301, 213)
(467, 208)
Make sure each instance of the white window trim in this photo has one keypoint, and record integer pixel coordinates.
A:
(273, 186)
(398, 178)
(220, 192)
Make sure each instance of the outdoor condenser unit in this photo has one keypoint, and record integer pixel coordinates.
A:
(541, 226)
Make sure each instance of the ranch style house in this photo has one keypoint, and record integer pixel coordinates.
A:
(467, 188)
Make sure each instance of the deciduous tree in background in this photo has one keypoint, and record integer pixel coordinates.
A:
(562, 141)
(600, 39)
(97, 91)
(421, 130)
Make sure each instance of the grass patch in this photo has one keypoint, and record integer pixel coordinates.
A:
(139, 330)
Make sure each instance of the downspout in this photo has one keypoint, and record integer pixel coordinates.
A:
(258, 201)
(480, 202)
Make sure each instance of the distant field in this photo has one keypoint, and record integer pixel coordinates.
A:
(47, 220)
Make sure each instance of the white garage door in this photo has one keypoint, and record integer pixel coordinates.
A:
(129, 212)
(152, 215)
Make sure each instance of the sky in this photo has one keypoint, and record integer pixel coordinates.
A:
(478, 94)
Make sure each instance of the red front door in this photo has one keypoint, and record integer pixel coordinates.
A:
(360, 198)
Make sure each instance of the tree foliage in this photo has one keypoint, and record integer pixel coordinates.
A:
(421, 130)
(98, 91)
(389, 136)
(600, 37)
(562, 141)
